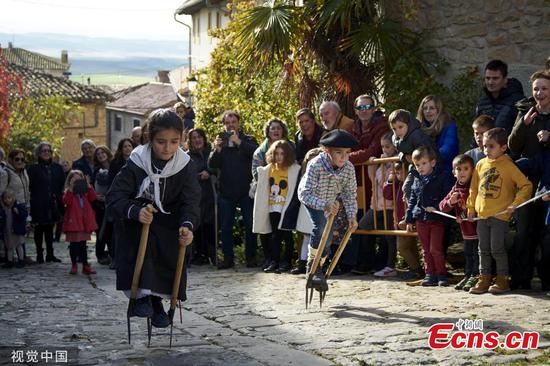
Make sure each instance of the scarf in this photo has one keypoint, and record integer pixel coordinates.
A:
(141, 156)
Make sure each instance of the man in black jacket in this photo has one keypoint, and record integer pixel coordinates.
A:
(232, 156)
(500, 95)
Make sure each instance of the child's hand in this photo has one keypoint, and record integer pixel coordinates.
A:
(546, 197)
(353, 225)
(146, 215)
(459, 219)
(430, 209)
(391, 177)
(15, 211)
(454, 198)
(372, 158)
(510, 209)
(186, 236)
(332, 208)
(410, 228)
(402, 225)
(471, 216)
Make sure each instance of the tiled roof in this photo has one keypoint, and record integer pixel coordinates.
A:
(33, 60)
(144, 98)
(41, 85)
(192, 6)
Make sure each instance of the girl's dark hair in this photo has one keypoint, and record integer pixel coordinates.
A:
(118, 152)
(163, 119)
(107, 151)
(201, 133)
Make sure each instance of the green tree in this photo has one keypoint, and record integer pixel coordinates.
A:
(36, 120)
(225, 85)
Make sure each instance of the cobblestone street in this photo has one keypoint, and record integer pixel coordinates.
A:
(245, 317)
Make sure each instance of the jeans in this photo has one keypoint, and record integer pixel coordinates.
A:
(227, 209)
(319, 221)
(491, 233)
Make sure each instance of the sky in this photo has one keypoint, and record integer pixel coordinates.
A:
(131, 19)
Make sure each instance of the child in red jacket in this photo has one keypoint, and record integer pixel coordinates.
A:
(79, 220)
(463, 169)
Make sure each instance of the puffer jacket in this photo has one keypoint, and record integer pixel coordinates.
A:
(414, 139)
(503, 108)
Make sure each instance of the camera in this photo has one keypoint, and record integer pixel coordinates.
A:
(80, 186)
(225, 135)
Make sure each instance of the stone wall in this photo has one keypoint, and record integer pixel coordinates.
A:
(90, 124)
(471, 32)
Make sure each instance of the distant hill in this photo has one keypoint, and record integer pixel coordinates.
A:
(88, 55)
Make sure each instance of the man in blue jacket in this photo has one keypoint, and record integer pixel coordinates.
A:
(232, 156)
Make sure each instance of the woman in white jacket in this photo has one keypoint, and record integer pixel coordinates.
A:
(275, 203)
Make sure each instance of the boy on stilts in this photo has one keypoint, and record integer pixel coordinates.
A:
(329, 187)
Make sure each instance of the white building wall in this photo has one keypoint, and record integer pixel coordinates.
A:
(203, 44)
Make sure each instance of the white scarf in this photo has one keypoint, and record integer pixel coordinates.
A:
(141, 156)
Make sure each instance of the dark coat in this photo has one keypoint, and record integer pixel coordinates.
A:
(503, 108)
(19, 224)
(79, 219)
(82, 165)
(235, 167)
(414, 139)
(207, 189)
(46, 181)
(537, 169)
(523, 140)
(181, 198)
(428, 194)
(114, 168)
(303, 146)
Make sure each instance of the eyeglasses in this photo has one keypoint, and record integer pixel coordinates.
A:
(46, 151)
(19, 160)
(364, 107)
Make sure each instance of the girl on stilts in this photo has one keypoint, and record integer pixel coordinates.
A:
(162, 174)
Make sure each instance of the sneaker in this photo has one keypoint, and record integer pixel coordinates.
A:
(284, 267)
(272, 268)
(460, 285)
(87, 269)
(143, 308)
(412, 275)
(429, 280)
(74, 269)
(159, 319)
(472, 281)
(442, 281)
(386, 272)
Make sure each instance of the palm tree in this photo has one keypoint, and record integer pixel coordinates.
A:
(348, 46)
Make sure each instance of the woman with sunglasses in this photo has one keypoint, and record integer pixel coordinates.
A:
(18, 182)
(46, 182)
(369, 128)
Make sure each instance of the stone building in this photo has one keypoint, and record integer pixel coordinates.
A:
(471, 32)
(37, 61)
(89, 123)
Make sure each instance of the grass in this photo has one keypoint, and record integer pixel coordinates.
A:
(111, 79)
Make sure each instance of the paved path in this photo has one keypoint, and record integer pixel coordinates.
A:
(244, 317)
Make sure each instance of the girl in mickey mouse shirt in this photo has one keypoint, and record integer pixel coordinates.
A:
(275, 202)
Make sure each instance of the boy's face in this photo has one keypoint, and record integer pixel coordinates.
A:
(463, 173)
(492, 149)
(424, 166)
(8, 199)
(399, 129)
(338, 155)
(478, 134)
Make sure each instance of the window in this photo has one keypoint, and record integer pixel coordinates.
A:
(218, 19)
(137, 122)
(118, 123)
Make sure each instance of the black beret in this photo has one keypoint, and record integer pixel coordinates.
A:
(339, 138)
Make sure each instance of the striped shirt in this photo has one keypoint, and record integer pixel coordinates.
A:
(324, 184)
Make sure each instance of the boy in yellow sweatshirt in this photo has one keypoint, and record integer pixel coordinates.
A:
(497, 188)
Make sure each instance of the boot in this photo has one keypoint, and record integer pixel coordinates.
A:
(159, 319)
(49, 254)
(8, 264)
(501, 285)
(482, 286)
(87, 269)
(226, 263)
(74, 269)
